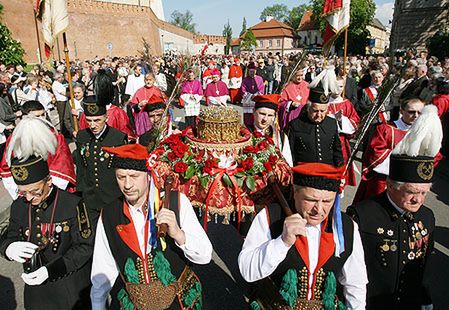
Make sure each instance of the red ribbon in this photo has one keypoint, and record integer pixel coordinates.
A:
(219, 175)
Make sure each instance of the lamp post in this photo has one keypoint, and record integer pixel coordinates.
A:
(163, 44)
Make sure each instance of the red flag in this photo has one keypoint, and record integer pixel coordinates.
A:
(336, 13)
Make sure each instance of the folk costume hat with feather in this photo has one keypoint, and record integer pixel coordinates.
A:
(27, 153)
(323, 85)
(412, 160)
(104, 94)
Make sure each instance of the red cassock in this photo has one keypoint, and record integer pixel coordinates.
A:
(442, 104)
(117, 119)
(347, 109)
(383, 141)
(61, 164)
(235, 71)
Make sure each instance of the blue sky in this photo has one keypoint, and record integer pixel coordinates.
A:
(211, 15)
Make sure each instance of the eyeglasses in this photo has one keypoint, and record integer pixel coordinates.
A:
(35, 193)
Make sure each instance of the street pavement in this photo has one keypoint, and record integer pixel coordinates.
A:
(224, 284)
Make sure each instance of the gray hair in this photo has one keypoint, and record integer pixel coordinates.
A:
(423, 68)
(79, 85)
(396, 184)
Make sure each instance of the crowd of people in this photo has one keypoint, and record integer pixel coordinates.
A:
(87, 206)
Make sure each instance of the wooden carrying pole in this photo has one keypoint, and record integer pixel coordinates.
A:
(38, 39)
(69, 75)
(345, 56)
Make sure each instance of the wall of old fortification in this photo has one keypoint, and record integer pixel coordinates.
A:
(92, 25)
(414, 22)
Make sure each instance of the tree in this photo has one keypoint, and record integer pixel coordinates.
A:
(227, 33)
(11, 51)
(362, 13)
(243, 27)
(249, 40)
(183, 20)
(278, 11)
(294, 16)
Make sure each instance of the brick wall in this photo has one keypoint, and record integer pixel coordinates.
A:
(93, 24)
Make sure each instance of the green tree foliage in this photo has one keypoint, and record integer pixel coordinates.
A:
(438, 45)
(227, 33)
(249, 40)
(183, 20)
(11, 51)
(295, 15)
(278, 11)
(361, 12)
(243, 27)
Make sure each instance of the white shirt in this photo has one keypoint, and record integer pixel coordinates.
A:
(58, 90)
(161, 82)
(261, 255)
(134, 83)
(344, 126)
(197, 248)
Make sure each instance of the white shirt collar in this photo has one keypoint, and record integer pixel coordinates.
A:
(99, 135)
(401, 211)
(401, 124)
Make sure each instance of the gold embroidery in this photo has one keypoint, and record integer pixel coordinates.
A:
(425, 170)
(92, 108)
(20, 173)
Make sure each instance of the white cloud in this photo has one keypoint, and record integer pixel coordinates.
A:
(384, 13)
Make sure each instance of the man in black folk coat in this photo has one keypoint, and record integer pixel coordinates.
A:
(95, 178)
(313, 136)
(397, 229)
(50, 233)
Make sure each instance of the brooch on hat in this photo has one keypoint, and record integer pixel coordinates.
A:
(20, 173)
(92, 108)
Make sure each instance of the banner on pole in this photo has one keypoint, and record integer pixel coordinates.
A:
(337, 15)
(55, 19)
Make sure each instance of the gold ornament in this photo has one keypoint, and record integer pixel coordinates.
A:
(425, 170)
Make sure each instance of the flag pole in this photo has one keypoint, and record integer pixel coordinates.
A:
(69, 75)
(345, 56)
(37, 36)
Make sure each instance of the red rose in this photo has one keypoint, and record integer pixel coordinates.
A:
(267, 166)
(263, 145)
(272, 159)
(209, 165)
(251, 149)
(171, 156)
(199, 155)
(180, 150)
(247, 163)
(180, 167)
(269, 139)
(257, 134)
(172, 139)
